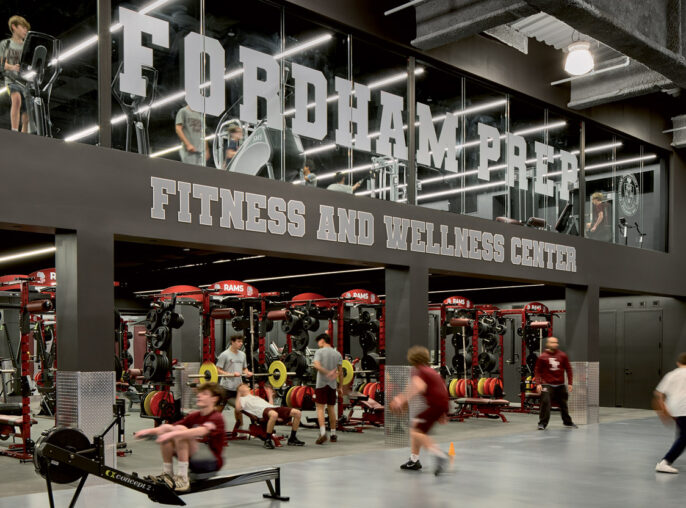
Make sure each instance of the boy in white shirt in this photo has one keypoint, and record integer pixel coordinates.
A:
(260, 408)
(670, 404)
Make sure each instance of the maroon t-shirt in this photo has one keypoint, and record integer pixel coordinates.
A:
(216, 437)
(436, 393)
(551, 367)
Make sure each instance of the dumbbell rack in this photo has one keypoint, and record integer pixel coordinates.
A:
(529, 401)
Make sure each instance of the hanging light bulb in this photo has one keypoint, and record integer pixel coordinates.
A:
(579, 58)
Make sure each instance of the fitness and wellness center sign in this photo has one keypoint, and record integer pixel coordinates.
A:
(274, 215)
(261, 76)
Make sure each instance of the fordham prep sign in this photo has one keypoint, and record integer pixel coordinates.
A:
(261, 75)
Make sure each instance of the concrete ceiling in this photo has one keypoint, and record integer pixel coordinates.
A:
(644, 54)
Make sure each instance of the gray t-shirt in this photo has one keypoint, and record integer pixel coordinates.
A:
(232, 362)
(191, 122)
(330, 359)
(341, 187)
(10, 53)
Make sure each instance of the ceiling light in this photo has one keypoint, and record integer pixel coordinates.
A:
(579, 59)
(316, 274)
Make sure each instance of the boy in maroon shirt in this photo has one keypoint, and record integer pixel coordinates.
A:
(427, 385)
(549, 375)
(197, 440)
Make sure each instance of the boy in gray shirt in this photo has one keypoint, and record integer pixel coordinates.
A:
(233, 364)
(328, 363)
(10, 58)
(189, 131)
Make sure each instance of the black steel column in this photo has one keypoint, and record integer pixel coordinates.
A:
(411, 134)
(105, 72)
(582, 323)
(84, 262)
(407, 297)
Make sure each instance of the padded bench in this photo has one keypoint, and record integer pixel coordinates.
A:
(479, 408)
(13, 422)
(257, 428)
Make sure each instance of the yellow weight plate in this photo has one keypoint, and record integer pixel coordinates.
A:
(277, 381)
(452, 386)
(209, 373)
(480, 386)
(348, 373)
(288, 396)
(147, 401)
(361, 387)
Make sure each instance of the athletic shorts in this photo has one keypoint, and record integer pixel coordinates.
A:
(231, 397)
(20, 89)
(203, 460)
(283, 412)
(426, 419)
(325, 395)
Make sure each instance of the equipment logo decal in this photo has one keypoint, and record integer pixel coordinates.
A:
(629, 196)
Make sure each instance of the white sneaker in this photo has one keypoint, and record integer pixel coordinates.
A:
(664, 467)
(181, 484)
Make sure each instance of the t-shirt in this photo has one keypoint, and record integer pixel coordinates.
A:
(673, 385)
(10, 53)
(232, 362)
(254, 405)
(436, 394)
(551, 368)
(330, 359)
(341, 187)
(216, 438)
(191, 122)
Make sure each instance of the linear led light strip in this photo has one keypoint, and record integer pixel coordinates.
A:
(178, 95)
(485, 289)
(376, 84)
(531, 130)
(90, 41)
(27, 254)
(466, 111)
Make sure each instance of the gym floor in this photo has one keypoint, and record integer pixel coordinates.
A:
(503, 464)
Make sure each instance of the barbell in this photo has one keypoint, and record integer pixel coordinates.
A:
(277, 375)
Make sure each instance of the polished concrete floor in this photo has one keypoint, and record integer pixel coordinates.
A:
(497, 464)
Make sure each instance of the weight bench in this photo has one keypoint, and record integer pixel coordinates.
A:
(12, 425)
(477, 407)
(372, 413)
(258, 429)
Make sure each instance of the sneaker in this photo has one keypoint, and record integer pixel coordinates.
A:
(268, 444)
(571, 426)
(541, 426)
(333, 438)
(441, 465)
(321, 439)
(413, 465)
(294, 441)
(664, 467)
(182, 484)
(163, 478)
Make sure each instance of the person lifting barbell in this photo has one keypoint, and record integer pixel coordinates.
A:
(232, 364)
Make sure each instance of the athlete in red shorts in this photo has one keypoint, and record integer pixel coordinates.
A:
(428, 387)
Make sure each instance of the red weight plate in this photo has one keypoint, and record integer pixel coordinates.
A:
(157, 398)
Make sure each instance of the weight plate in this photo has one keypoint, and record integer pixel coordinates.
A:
(157, 399)
(277, 369)
(288, 396)
(365, 316)
(161, 338)
(370, 362)
(299, 396)
(480, 386)
(451, 387)
(531, 360)
(151, 320)
(147, 401)
(310, 323)
(209, 373)
(361, 387)
(300, 339)
(348, 373)
(368, 341)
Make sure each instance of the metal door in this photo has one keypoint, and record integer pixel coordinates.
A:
(642, 352)
(607, 335)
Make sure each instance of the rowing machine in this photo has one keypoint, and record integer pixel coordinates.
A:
(65, 455)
